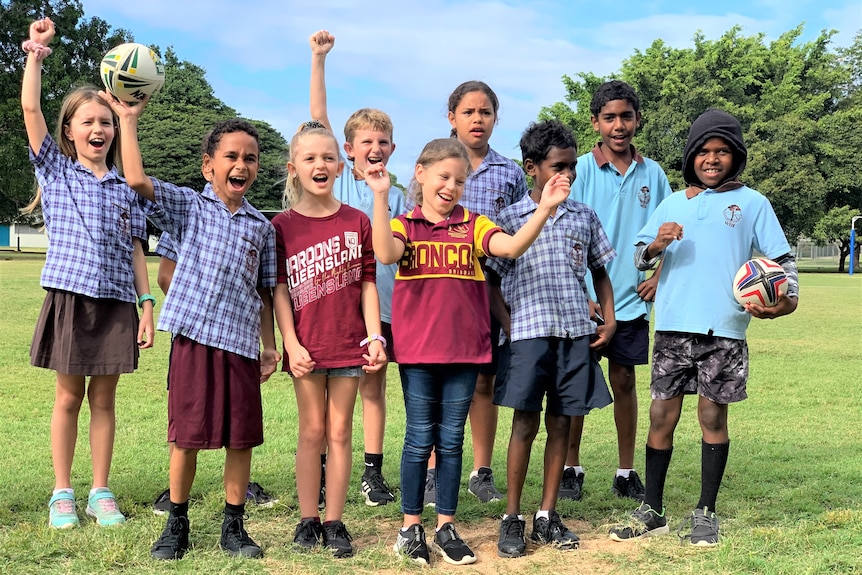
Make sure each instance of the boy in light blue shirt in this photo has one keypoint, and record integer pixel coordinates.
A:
(703, 235)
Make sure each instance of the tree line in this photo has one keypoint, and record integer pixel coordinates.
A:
(800, 104)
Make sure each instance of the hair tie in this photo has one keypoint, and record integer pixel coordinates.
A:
(312, 124)
(32, 47)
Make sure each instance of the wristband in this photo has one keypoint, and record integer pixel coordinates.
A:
(39, 50)
(146, 297)
(373, 337)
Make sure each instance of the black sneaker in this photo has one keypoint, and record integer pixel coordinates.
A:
(162, 504)
(644, 522)
(704, 528)
(451, 547)
(551, 531)
(235, 539)
(571, 485)
(174, 541)
(411, 544)
(257, 495)
(309, 534)
(630, 486)
(336, 538)
(375, 489)
(512, 542)
(430, 497)
(482, 485)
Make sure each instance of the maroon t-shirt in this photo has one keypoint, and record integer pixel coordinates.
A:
(440, 304)
(324, 261)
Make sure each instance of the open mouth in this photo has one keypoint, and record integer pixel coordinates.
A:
(237, 183)
(445, 197)
(320, 178)
(97, 143)
(375, 160)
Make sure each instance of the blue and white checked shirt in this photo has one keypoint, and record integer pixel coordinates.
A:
(90, 225)
(544, 288)
(223, 259)
(498, 182)
(165, 248)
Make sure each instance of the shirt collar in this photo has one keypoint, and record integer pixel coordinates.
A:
(459, 215)
(602, 160)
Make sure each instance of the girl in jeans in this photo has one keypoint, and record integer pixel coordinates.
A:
(440, 319)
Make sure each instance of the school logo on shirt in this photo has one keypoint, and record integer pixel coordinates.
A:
(499, 204)
(124, 221)
(644, 196)
(251, 260)
(578, 254)
(732, 215)
(351, 240)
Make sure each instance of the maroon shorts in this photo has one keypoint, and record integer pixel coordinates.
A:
(215, 398)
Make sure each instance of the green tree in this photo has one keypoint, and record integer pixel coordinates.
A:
(179, 116)
(791, 98)
(834, 228)
(78, 49)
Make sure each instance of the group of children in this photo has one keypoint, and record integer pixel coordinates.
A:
(479, 273)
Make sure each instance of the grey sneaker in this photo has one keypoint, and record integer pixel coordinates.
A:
(482, 485)
(512, 542)
(411, 544)
(551, 531)
(571, 485)
(644, 522)
(704, 528)
(431, 488)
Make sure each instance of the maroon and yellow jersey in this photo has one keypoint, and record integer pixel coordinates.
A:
(439, 305)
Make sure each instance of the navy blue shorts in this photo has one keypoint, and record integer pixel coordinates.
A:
(563, 369)
(630, 344)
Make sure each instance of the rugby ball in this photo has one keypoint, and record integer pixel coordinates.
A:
(132, 71)
(759, 281)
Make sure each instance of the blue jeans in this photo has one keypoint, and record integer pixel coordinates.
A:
(436, 400)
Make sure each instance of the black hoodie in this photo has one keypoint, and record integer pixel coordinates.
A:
(713, 124)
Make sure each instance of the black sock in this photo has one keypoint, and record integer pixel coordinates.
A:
(374, 460)
(657, 463)
(713, 460)
(231, 510)
(180, 509)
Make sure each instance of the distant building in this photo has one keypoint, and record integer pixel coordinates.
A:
(22, 236)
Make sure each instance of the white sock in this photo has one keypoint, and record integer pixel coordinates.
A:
(93, 490)
(506, 516)
(624, 472)
(542, 514)
(64, 490)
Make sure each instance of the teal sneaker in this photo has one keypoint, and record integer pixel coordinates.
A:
(61, 511)
(103, 506)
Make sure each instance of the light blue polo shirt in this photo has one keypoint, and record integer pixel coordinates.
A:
(356, 194)
(623, 203)
(720, 232)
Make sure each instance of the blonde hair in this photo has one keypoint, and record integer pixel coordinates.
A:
(367, 119)
(292, 187)
(437, 151)
(74, 100)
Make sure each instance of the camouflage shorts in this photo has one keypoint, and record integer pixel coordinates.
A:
(714, 367)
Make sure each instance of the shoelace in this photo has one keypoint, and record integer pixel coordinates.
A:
(514, 524)
(701, 521)
(378, 483)
(108, 504)
(64, 506)
(570, 482)
(338, 531)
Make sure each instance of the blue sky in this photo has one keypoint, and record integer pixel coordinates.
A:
(406, 56)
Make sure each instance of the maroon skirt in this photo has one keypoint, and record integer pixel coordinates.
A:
(80, 335)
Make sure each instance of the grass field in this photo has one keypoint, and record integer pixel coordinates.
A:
(791, 501)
